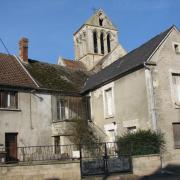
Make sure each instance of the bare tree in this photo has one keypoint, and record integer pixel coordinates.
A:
(80, 132)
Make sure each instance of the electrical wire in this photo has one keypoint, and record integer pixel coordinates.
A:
(5, 46)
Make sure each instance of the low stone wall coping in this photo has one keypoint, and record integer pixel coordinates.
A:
(38, 163)
(149, 155)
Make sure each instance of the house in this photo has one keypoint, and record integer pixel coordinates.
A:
(116, 91)
(36, 99)
(141, 91)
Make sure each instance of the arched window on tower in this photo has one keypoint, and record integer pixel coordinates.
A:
(108, 43)
(100, 22)
(95, 42)
(100, 19)
(102, 42)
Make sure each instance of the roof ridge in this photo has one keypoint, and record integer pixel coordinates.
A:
(133, 59)
(150, 40)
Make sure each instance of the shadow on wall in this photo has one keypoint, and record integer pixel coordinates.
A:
(52, 179)
(170, 172)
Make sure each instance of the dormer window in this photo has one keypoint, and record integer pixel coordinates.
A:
(177, 48)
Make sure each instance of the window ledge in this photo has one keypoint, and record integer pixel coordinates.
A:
(65, 120)
(176, 105)
(110, 116)
(9, 109)
(177, 147)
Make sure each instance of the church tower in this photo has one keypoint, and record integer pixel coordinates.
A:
(95, 39)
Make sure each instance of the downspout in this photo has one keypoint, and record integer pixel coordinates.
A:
(30, 104)
(150, 94)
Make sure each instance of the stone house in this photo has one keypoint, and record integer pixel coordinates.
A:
(126, 91)
(36, 99)
(141, 91)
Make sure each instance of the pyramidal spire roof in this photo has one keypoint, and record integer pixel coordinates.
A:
(94, 20)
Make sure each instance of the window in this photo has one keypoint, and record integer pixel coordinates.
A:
(95, 42)
(110, 130)
(111, 135)
(57, 144)
(177, 48)
(108, 43)
(100, 22)
(108, 102)
(69, 108)
(8, 100)
(102, 43)
(176, 87)
(100, 19)
(62, 109)
(176, 132)
(131, 129)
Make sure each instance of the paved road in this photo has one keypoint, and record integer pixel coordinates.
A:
(133, 177)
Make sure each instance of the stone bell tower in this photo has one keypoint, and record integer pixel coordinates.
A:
(95, 39)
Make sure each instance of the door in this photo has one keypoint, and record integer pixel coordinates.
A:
(11, 146)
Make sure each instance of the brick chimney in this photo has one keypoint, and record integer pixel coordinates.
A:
(23, 49)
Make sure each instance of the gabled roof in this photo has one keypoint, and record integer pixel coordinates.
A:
(92, 21)
(55, 77)
(13, 74)
(127, 63)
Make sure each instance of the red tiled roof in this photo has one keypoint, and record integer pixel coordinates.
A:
(13, 74)
(77, 65)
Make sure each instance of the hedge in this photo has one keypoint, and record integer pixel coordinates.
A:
(141, 142)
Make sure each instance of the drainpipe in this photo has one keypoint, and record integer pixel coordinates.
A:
(151, 98)
(31, 121)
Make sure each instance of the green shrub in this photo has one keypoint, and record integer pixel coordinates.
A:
(142, 142)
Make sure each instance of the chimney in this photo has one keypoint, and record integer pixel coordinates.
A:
(23, 49)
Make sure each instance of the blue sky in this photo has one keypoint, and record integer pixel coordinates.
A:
(49, 24)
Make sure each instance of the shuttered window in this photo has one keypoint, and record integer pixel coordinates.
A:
(176, 132)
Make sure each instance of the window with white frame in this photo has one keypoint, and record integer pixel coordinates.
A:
(176, 87)
(8, 99)
(111, 134)
(110, 130)
(62, 109)
(108, 102)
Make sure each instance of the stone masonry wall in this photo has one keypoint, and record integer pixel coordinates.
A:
(65, 171)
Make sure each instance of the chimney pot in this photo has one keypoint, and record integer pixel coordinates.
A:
(23, 49)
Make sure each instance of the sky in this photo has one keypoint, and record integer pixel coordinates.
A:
(49, 24)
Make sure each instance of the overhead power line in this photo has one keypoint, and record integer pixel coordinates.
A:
(5, 46)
